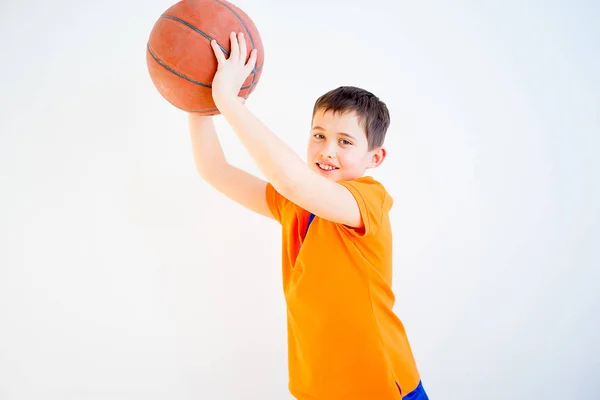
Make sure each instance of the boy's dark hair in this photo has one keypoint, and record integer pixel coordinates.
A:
(372, 113)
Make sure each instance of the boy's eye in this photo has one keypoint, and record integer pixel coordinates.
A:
(342, 141)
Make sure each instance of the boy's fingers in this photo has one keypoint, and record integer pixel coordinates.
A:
(252, 61)
(235, 48)
(217, 50)
(243, 50)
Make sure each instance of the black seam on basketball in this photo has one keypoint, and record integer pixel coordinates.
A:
(192, 27)
(179, 74)
(239, 19)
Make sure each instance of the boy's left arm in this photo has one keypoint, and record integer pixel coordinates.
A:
(282, 167)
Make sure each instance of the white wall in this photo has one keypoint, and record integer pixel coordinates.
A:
(124, 276)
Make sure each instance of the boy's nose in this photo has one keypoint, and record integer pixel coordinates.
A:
(327, 152)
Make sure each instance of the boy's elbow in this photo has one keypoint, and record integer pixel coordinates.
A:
(202, 169)
(202, 173)
(209, 172)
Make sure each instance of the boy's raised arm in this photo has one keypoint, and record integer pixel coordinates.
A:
(240, 186)
(288, 174)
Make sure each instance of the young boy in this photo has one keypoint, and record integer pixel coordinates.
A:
(344, 340)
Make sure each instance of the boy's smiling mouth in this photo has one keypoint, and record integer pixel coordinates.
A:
(326, 167)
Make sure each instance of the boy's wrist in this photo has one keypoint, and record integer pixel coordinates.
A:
(227, 103)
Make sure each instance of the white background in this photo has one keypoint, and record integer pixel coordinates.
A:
(124, 276)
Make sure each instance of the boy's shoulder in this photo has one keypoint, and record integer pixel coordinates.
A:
(367, 186)
(374, 203)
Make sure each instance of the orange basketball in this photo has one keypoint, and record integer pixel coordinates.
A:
(180, 59)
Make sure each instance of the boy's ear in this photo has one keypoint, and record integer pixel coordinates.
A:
(377, 157)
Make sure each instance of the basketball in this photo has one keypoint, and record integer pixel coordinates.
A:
(179, 56)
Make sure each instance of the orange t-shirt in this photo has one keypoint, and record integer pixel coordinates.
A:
(344, 340)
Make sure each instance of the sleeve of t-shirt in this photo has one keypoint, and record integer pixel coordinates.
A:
(275, 201)
(373, 201)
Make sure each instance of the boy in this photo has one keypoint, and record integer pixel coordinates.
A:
(344, 341)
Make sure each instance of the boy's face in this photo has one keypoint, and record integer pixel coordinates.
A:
(338, 147)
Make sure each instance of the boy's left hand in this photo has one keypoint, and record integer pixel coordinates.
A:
(233, 71)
